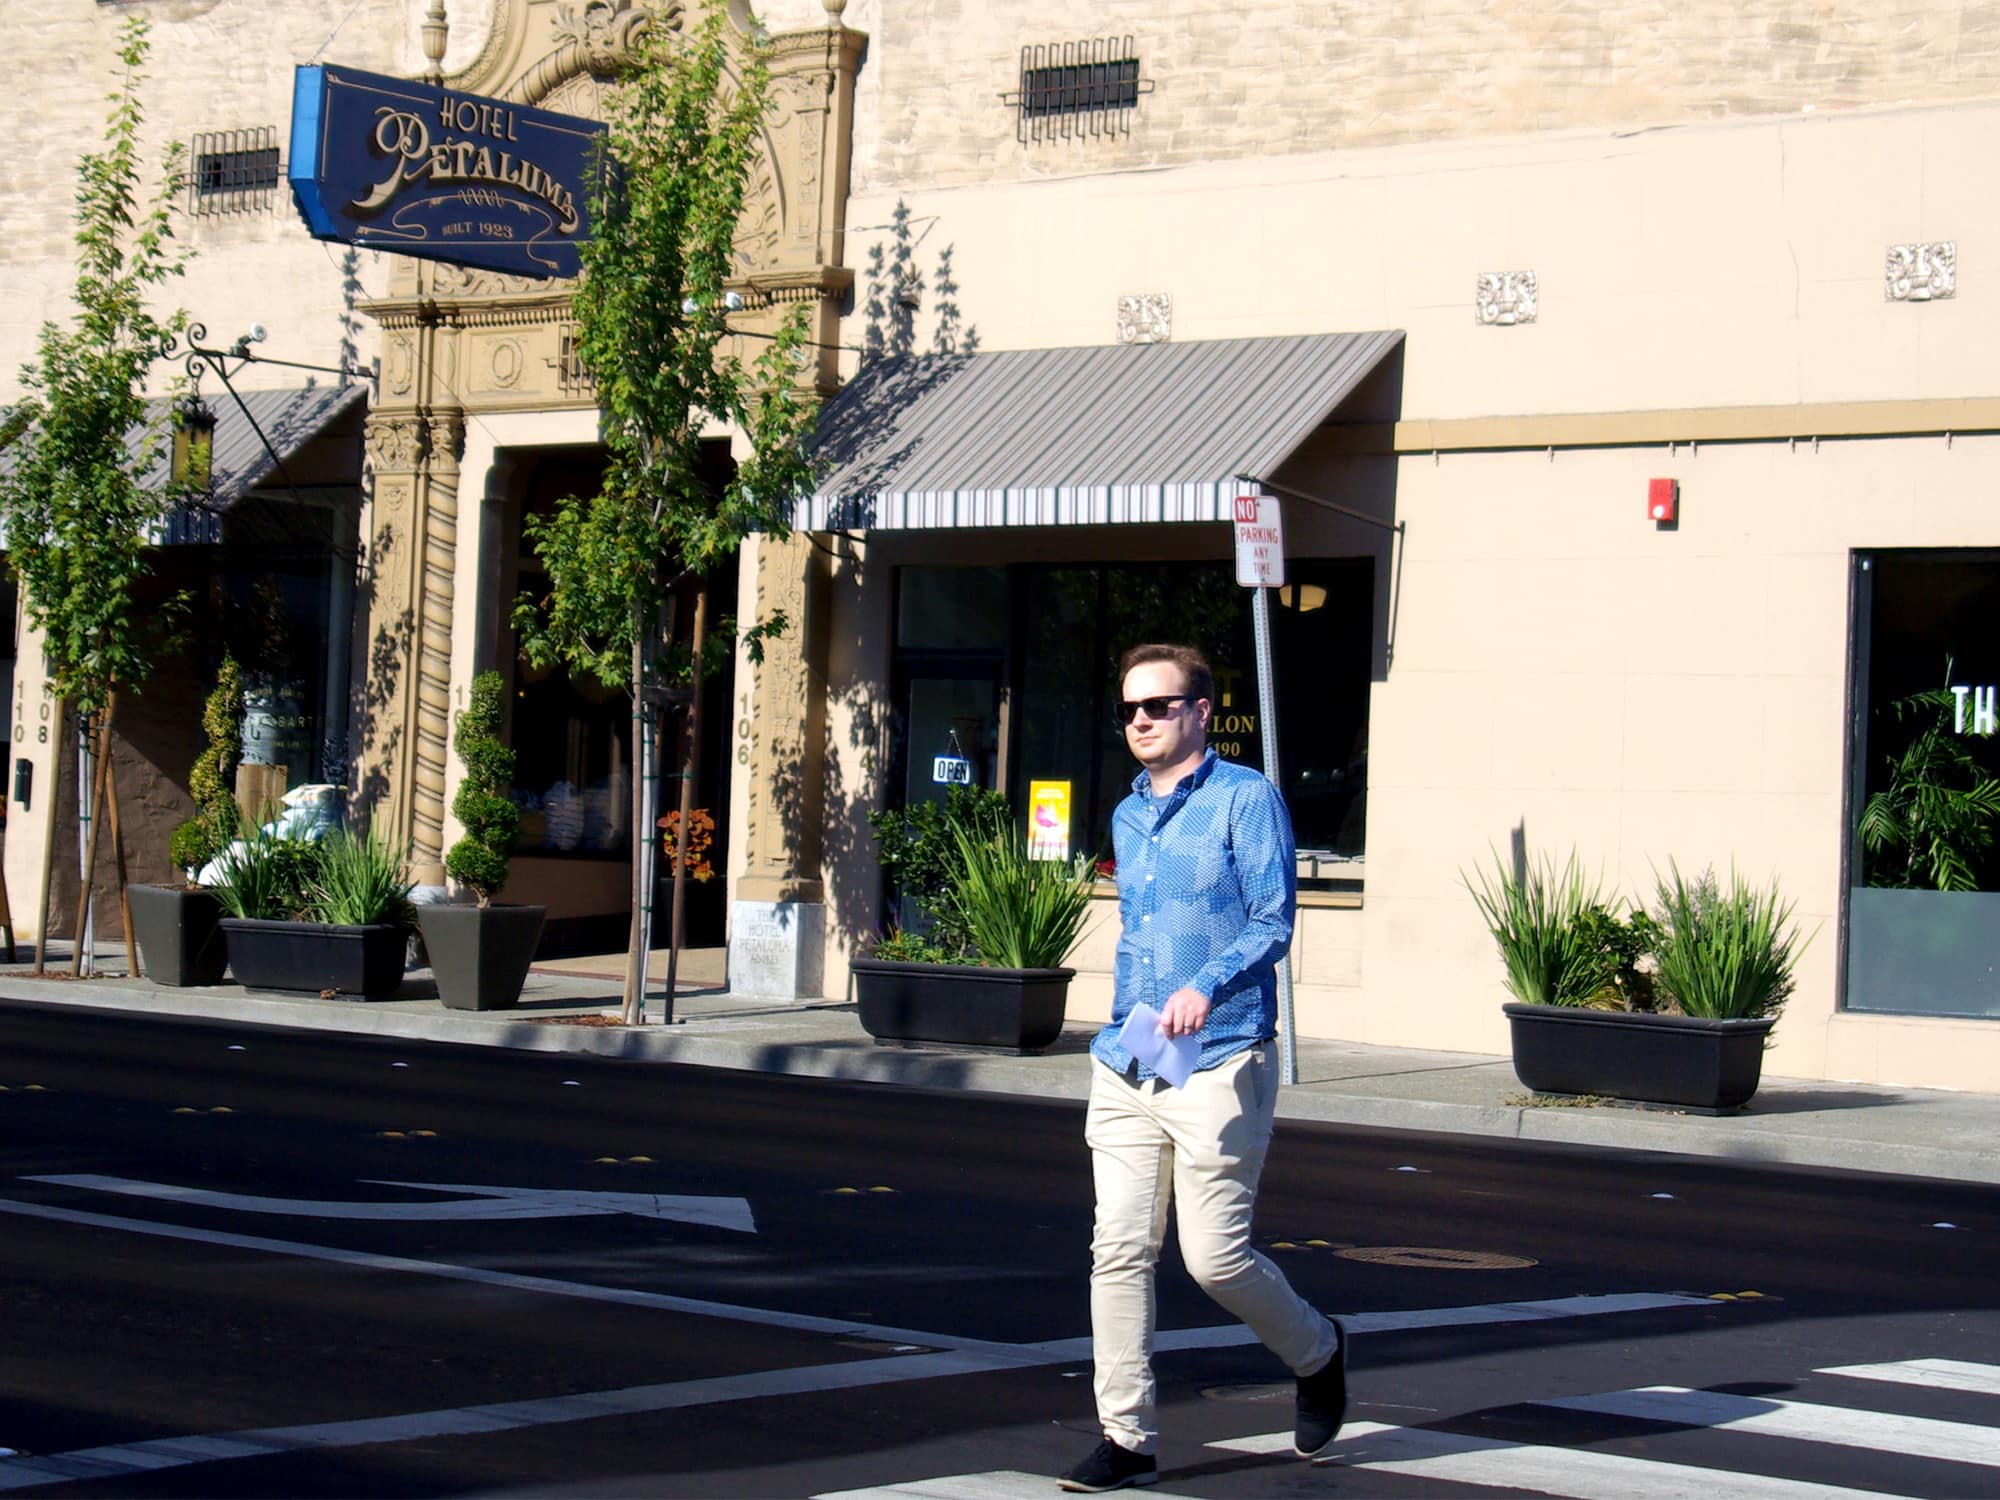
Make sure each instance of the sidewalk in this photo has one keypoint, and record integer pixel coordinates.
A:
(1919, 1132)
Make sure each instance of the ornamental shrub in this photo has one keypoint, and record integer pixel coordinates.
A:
(491, 820)
(216, 820)
(921, 855)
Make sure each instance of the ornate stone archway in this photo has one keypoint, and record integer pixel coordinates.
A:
(466, 347)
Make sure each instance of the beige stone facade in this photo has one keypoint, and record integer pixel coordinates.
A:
(1711, 203)
(1644, 242)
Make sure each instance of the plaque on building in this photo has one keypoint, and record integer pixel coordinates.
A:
(1922, 272)
(1500, 299)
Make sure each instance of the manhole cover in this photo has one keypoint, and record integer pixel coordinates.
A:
(1251, 1394)
(1428, 1259)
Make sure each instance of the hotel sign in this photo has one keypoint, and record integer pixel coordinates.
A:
(424, 170)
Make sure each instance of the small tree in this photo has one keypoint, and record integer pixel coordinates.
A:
(76, 513)
(649, 316)
(216, 819)
(479, 860)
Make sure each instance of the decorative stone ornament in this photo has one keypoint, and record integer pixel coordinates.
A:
(1501, 299)
(1926, 271)
(1146, 318)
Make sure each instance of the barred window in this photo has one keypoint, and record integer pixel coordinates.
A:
(1069, 88)
(1073, 89)
(235, 171)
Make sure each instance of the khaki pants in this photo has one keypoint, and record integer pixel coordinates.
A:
(1202, 1146)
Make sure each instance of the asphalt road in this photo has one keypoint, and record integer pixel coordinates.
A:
(241, 1261)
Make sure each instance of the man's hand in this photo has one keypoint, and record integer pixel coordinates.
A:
(1184, 1013)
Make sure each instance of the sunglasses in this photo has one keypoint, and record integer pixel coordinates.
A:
(1156, 708)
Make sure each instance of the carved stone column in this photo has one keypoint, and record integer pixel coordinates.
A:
(778, 920)
(395, 443)
(438, 496)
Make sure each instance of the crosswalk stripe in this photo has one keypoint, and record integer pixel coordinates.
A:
(1572, 1473)
(999, 1484)
(1936, 1374)
(1840, 1426)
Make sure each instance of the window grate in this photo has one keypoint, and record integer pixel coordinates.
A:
(1073, 90)
(235, 171)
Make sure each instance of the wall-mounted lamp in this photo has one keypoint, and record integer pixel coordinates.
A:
(194, 445)
(241, 348)
(1303, 597)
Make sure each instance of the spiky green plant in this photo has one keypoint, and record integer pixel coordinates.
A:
(1724, 955)
(271, 878)
(1549, 930)
(361, 880)
(919, 847)
(1021, 913)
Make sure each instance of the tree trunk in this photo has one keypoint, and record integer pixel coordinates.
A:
(118, 849)
(690, 768)
(80, 959)
(49, 845)
(634, 1013)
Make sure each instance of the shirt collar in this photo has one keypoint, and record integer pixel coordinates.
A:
(1143, 782)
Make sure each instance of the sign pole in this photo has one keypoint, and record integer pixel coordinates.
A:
(1267, 712)
(1260, 567)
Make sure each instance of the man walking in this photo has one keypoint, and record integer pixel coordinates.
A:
(1206, 883)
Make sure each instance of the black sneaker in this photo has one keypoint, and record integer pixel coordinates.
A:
(1111, 1468)
(1322, 1404)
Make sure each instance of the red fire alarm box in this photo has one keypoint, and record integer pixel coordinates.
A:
(1663, 499)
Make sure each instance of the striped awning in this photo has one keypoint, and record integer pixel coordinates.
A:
(287, 420)
(1090, 436)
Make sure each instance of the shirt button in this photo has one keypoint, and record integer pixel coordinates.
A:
(1146, 918)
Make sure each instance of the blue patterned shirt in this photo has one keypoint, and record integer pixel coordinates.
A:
(1207, 881)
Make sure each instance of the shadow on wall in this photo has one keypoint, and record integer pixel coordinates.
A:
(373, 717)
(853, 874)
(895, 285)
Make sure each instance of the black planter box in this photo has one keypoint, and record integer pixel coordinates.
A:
(1020, 1010)
(317, 957)
(179, 934)
(480, 954)
(1679, 1060)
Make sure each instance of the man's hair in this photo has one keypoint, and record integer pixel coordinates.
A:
(1194, 666)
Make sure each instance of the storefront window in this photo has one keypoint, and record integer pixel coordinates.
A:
(1923, 932)
(1053, 635)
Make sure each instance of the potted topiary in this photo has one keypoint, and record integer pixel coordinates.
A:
(987, 972)
(177, 926)
(329, 916)
(1672, 1006)
(480, 954)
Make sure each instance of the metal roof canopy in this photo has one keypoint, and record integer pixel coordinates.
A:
(290, 417)
(1103, 434)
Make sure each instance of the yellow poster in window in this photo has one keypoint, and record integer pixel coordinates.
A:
(1048, 820)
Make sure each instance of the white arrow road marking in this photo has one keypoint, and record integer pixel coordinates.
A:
(996, 1484)
(1938, 1374)
(488, 1203)
(1882, 1432)
(1577, 1473)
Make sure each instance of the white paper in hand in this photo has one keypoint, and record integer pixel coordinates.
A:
(1173, 1058)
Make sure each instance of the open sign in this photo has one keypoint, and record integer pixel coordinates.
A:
(951, 770)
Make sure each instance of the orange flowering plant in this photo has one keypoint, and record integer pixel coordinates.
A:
(701, 835)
